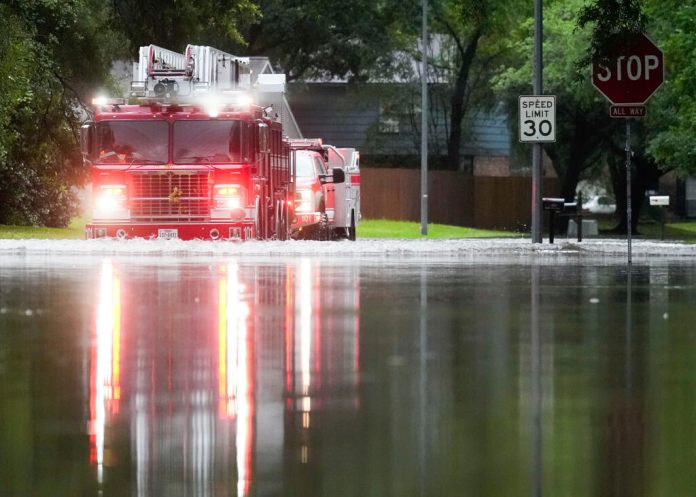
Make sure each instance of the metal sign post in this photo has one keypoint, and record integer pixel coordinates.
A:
(537, 125)
(537, 169)
(629, 210)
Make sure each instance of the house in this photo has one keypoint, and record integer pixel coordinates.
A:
(382, 120)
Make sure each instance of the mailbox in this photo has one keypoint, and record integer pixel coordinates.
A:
(570, 207)
(558, 206)
(553, 204)
(659, 200)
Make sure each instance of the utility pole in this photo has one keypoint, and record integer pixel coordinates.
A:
(537, 171)
(424, 122)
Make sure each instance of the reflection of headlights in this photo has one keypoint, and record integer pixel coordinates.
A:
(303, 200)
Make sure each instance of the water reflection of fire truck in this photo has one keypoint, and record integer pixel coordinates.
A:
(213, 398)
(196, 156)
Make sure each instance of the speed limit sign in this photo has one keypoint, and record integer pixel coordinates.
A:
(537, 118)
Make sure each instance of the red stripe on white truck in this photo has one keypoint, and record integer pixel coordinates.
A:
(355, 179)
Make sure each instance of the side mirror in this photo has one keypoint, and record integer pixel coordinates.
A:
(263, 138)
(87, 141)
(338, 175)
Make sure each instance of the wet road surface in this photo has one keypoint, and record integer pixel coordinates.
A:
(125, 376)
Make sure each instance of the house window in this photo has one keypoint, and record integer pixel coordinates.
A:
(388, 120)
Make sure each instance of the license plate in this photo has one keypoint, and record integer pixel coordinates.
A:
(168, 234)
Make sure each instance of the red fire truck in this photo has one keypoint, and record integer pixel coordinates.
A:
(192, 155)
(327, 195)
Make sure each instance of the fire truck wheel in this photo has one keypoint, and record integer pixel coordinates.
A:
(280, 221)
(286, 222)
(323, 230)
(351, 229)
(257, 221)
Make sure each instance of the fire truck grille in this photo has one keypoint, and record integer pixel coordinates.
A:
(169, 196)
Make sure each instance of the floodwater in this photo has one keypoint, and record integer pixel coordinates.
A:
(226, 376)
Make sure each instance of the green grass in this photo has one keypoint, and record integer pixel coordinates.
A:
(685, 228)
(675, 231)
(378, 228)
(76, 230)
(381, 228)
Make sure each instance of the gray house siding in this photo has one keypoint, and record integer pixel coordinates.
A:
(329, 113)
(350, 118)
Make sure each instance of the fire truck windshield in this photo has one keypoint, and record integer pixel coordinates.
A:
(127, 142)
(305, 166)
(210, 141)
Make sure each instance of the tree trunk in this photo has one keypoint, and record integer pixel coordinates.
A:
(457, 100)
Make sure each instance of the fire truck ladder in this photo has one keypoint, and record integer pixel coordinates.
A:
(217, 69)
(203, 68)
(157, 62)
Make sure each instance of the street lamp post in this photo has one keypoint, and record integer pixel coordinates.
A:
(424, 122)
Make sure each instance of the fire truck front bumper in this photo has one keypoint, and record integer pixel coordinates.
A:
(241, 230)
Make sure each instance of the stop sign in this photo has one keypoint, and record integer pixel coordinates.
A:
(633, 74)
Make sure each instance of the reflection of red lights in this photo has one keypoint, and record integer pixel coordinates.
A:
(105, 363)
(289, 328)
(116, 345)
(356, 310)
(222, 349)
(236, 369)
(316, 304)
(315, 343)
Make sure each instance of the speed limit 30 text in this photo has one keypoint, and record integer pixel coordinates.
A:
(536, 108)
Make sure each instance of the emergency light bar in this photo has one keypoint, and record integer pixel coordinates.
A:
(304, 143)
(227, 100)
(102, 101)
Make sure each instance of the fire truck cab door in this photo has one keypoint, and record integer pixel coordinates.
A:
(329, 189)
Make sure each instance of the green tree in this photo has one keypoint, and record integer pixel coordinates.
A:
(175, 24)
(582, 122)
(380, 42)
(52, 53)
(323, 39)
(476, 30)
(468, 42)
(613, 22)
(672, 118)
(661, 143)
(577, 32)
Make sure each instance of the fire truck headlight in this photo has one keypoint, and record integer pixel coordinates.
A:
(230, 203)
(228, 197)
(303, 200)
(110, 202)
(111, 198)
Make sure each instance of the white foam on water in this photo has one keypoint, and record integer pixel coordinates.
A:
(369, 247)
